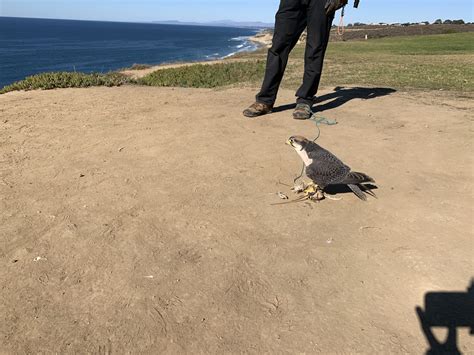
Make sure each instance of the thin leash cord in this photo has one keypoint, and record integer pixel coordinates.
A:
(318, 121)
(340, 28)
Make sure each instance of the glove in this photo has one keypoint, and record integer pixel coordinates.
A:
(334, 5)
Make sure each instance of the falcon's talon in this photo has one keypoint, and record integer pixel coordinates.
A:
(319, 195)
(311, 191)
(315, 194)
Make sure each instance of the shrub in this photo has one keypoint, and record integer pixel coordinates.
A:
(47, 81)
(140, 66)
(206, 75)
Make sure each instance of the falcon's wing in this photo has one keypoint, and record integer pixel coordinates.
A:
(326, 168)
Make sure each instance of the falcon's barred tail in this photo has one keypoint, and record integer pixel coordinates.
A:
(357, 178)
(359, 193)
(354, 179)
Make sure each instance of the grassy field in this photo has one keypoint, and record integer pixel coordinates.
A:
(418, 62)
(433, 62)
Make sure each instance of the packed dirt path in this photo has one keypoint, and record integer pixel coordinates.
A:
(140, 219)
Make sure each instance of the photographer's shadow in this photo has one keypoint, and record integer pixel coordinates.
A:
(450, 310)
(341, 96)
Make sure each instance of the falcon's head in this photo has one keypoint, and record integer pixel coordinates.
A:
(298, 142)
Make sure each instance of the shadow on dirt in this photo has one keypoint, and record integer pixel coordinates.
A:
(340, 96)
(344, 189)
(450, 310)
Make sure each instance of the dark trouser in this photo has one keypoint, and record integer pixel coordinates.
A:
(292, 18)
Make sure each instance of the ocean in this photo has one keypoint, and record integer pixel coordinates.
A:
(31, 46)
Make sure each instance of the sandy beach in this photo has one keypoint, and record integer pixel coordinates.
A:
(263, 38)
(140, 219)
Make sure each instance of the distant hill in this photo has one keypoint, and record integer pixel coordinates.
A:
(221, 23)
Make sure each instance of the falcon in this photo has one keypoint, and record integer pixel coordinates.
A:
(325, 169)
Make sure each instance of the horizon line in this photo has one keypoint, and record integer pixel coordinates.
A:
(133, 21)
(197, 23)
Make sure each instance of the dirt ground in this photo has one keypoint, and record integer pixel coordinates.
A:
(139, 219)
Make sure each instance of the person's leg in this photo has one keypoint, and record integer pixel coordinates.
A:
(319, 29)
(290, 21)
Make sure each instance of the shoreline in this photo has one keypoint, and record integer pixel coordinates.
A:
(261, 39)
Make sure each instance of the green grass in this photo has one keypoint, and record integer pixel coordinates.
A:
(47, 81)
(416, 62)
(207, 76)
(456, 43)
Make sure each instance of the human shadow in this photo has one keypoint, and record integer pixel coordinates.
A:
(341, 96)
(451, 310)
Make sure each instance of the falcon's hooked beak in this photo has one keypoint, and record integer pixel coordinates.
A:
(294, 142)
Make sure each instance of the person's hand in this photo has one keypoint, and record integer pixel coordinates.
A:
(334, 5)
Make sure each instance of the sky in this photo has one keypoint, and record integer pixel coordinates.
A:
(237, 10)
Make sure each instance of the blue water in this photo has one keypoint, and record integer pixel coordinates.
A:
(31, 46)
